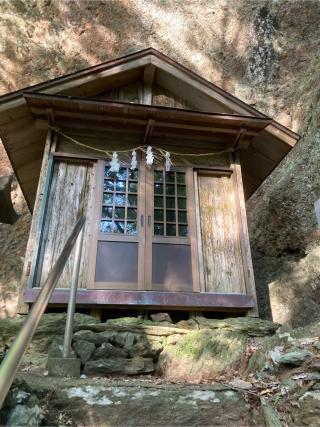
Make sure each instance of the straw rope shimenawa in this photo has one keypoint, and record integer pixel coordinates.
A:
(142, 148)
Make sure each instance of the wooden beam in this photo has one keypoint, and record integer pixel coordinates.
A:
(168, 300)
(149, 72)
(148, 133)
(148, 78)
(147, 94)
(283, 134)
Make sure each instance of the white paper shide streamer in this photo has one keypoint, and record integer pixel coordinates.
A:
(168, 161)
(149, 157)
(134, 163)
(114, 163)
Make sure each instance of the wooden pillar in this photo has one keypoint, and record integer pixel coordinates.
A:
(244, 235)
(35, 229)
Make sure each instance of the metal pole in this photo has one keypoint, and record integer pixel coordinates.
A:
(73, 294)
(13, 358)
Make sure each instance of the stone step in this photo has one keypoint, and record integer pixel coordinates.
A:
(100, 401)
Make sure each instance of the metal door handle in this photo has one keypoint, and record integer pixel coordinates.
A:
(149, 220)
(142, 220)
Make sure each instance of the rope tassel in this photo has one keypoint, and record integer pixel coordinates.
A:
(168, 161)
(114, 164)
(149, 157)
(134, 163)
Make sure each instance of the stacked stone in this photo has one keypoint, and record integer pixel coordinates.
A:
(116, 352)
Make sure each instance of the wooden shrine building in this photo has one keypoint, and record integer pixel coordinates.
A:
(174, 239)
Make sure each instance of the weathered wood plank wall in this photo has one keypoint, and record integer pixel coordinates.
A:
(220, 235)
(70, 195)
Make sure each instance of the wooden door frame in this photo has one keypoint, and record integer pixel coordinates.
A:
(191, 219)
(96, 236)
(145, 227)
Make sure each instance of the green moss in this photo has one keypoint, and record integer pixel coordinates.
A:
(212, 349)
(131, 321)
(191, 345)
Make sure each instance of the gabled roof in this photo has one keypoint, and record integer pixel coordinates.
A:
(24, 142)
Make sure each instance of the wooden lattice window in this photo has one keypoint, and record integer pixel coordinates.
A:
(170, 204)
(120, 202)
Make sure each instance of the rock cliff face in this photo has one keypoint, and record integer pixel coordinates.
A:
(264, 52)
(285, 238)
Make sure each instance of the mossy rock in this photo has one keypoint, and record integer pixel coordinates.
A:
(51, 328)
(312, 330)
(130, 321)
(250, 326)
(202, 354)
(50, 324)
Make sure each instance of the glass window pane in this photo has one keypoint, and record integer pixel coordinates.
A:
(181, 190)
(118, 183)
(158, 176)
(158, 189)
(119, 227)
(132, 200)
(133, 187)
(170, 202)
(158, 202)
(181, 178)
(158, 215)
(108, 185)
(132, 213)
(182, 216)
(122, 174)
(170, 189)
(120, 199)
(106, 226)
(134, 174)
(131, 228)
(106, 212)
(107, 172)
(158, 229)
(171, 230)
(121, 186)
(183, 230)
(169, 176)
(171, 216)
(182, 203)
(119, 213)
(107, 199)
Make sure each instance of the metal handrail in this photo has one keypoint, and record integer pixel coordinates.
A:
(14, 356)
